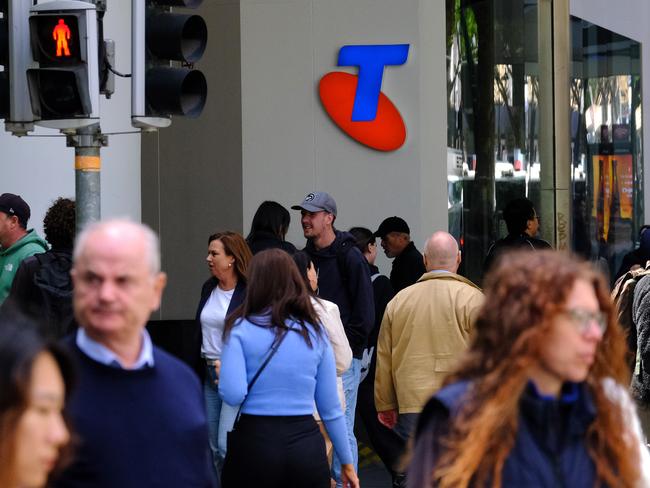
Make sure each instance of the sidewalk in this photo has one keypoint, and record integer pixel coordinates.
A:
(372, 472)
(374, 476)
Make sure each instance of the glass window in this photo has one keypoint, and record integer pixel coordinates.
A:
(606, 137)
(493, 131)
(492, 142)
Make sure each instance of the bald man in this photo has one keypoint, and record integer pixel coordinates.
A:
(425, 329)
(138, 413)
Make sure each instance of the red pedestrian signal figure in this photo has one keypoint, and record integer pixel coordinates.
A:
(61, 34)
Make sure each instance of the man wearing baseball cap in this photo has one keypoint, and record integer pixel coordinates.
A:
(343, 278)
(16, 242)
(408, 264)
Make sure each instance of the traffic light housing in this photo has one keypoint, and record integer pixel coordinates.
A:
(165, 46)
(4, 59)
(15, 58)
(64, 89)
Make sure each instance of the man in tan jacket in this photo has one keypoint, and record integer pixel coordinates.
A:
(426, 327)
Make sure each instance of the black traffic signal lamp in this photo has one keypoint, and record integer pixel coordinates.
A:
(166, 45)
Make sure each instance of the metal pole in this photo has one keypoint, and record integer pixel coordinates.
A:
(87, 143)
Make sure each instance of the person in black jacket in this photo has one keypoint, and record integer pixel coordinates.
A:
(343, 278)
(408, 264)
(42, 287)
(269, 228)
(640, 386)
(639, 257)
(228, 258)
(523, 223)
(387, 444)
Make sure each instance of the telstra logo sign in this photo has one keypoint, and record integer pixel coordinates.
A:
(355, 102)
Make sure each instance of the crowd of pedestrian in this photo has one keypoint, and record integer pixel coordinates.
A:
(523, 383)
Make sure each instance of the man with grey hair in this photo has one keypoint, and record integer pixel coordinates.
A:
(138, 412)
(425, 329)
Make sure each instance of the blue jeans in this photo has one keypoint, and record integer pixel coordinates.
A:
(221, 418)
(351, 379)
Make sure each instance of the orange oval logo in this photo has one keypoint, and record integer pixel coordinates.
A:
(386, 132)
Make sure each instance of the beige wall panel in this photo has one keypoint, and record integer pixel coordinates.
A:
(191, 171)
(278, 104)
(291, 45)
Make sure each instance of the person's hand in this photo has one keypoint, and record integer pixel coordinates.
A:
(349, 477)
(387, 418)
(217, 370)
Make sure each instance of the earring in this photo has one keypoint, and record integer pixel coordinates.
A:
(229, 265)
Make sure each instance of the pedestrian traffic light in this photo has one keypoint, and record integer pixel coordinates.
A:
(4, 59)
(15, 58)
(165, 46)
(64, 89)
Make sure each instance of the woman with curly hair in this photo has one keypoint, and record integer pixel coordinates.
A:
(540, 398)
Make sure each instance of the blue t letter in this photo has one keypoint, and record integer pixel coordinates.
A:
(371, 61)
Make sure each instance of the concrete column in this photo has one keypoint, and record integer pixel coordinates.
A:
(554, 138)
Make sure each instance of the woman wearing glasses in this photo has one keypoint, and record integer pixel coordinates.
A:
(540, 399)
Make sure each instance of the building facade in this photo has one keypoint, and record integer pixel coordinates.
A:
(266, 135)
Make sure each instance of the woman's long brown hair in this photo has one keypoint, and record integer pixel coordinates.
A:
(522, 295)
(276, 288)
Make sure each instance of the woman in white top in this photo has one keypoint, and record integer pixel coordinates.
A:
(330, 317)
(228, 258)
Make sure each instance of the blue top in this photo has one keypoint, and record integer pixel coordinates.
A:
(135, 428)
(550, 448)
(295, 377)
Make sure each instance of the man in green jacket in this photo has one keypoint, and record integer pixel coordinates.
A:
(16, 242)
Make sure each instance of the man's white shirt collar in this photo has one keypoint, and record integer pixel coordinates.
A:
(104, 355)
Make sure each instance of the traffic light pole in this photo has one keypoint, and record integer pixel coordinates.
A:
(87, 143)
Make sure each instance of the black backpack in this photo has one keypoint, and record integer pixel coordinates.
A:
(52, 279)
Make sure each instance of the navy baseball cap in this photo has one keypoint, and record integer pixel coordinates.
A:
(14, 205)
(317, 201)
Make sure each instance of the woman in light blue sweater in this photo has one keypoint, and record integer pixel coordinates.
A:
(276, 441)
